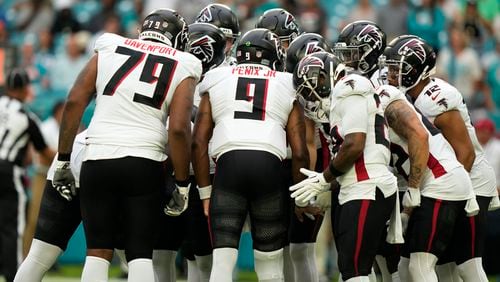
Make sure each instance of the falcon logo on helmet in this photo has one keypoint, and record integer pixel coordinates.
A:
(205, 15)
(290, 22)
(313, 47)
(308, 62)
(370, 34)
(413, 47)
(203, 46)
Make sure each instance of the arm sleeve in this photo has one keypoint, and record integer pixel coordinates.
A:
(354, 113)
(36, 134)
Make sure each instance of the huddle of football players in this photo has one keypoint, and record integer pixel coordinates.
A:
(188, 141)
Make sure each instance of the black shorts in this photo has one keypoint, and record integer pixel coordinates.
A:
(189, 230)
(58, 218)
(358, 227)
(249, 182)
(122, 196)
(430, 227)
(469, 235)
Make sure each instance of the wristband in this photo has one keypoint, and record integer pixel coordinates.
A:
(205, 192)
(64, 157)
(183, 183)
(335, 172)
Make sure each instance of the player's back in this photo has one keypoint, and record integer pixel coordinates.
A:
(136, 81)
(250, 107)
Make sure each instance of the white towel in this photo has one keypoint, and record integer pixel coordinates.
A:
(395, 229)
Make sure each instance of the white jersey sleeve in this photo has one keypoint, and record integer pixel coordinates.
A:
(76, 158)
(435, 100)
(136, 81)
(388, 94)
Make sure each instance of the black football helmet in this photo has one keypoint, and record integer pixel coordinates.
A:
(165, 26)
(411, 59)
(359, 45)
(260, 46)
(314, 78)
(304, 44)
(281, 22)
(221, 16)
(207, 43)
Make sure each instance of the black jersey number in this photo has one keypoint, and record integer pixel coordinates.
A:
(162, 81)
(380, 131)
(252, 90)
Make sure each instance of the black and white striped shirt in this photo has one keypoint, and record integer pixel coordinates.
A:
(17, 129)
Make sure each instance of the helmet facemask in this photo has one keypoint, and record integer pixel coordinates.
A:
(354, 56)
(406, 73)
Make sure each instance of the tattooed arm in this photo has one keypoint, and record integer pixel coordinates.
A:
(405, 122)
(79, 96)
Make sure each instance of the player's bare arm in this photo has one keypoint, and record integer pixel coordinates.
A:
(79, 97)
(311, 142)
(202, 132)
(349, 152)
(179, 129)
(296, 136)
(405, 122)
(453, 128)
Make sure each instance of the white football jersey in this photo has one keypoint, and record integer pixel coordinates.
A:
(136, 81)
(438, 97)
(355, 108)
(250, 108)
(76, 158)
(379, 77)
(439, 180)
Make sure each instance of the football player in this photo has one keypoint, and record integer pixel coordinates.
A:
(360, 164)
(282, 23)
(249, 131)
(139, 83)
(305, 222)
(411, 63)
(223, 17)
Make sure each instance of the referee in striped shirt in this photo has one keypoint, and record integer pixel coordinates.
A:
(18, 129)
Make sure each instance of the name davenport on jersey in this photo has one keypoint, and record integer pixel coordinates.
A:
(240, 102)
(127, 69)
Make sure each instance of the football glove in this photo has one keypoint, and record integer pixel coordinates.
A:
(63, 180)
(310, 187)
(411, 198)
(179, 201)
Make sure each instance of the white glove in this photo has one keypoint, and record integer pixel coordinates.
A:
(179, 202)
(323, 200)
(310, 187)
(411, 198)
(63, 180)
(404, 221)
(471, 207)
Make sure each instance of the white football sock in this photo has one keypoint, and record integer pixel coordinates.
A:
(40, 258)
(95, 269)
(193, 274)
(224, 260)
(304, 262)
(360, 279)
(123, 260)
(382, 266)
(288, 265)
(269, 265)
(372, 276)
(204, 267)
(472, 270)
(164, 265)
(448, 272)
(141, 270)
(422, 267)
(403, 269)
